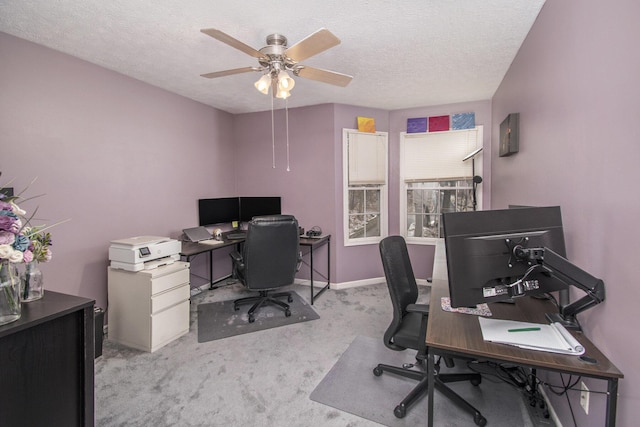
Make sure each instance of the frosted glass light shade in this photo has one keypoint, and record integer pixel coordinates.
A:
(283, 94)
(285, 82)
(263, 84)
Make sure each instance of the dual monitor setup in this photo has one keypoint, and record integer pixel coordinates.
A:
(500, 255)
(236, 209)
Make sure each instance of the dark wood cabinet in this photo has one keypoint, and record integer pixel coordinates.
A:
(47, 363)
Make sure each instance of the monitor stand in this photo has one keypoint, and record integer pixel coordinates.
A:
(568, 323)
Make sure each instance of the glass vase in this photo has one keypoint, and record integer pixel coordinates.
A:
(10, 308)
(31, 282)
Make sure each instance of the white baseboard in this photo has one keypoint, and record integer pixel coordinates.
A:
(352, 284)
(552, 412)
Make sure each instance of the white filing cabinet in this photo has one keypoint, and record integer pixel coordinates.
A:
(149, 308)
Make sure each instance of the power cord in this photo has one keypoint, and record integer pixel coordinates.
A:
(515, 376)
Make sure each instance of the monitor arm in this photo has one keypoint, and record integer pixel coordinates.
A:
(562, 269)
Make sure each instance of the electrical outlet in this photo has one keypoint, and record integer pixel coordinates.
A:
(584, 397)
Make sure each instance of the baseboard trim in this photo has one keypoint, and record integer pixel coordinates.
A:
(352, 284)
(552, 412)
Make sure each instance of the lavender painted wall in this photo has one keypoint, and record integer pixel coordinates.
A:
(312, 189)
(575, 84)
(118, 157)
(308, 186)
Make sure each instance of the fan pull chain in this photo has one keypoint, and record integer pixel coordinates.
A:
(273, 138)
(286, 109)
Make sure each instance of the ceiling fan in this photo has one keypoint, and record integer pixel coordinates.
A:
(276, 60)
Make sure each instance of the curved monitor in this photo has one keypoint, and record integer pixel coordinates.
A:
(481, 247)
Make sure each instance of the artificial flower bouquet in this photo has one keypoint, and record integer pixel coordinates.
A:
(20, 243)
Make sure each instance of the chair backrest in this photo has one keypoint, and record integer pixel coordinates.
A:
(270, 251)
(400, 281)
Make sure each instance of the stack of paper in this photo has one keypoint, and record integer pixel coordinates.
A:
(533, 336)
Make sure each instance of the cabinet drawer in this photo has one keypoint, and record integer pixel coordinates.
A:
(169, 324)
(168, 298)
(168, 281)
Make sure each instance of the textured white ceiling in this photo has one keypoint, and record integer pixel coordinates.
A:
(401, 53)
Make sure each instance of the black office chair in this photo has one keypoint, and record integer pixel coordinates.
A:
(269, 260)
(408, 330)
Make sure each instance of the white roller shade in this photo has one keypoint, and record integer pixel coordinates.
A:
(367, 158)
(438, 155)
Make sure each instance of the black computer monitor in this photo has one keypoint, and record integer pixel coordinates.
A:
(258, 206)
(481, 249)
(218, 211)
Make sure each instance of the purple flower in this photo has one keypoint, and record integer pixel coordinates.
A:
(28, 256)
(9, 221)
(7, 237)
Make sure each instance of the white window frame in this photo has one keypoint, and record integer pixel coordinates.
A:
(365, 169)
(447, 164)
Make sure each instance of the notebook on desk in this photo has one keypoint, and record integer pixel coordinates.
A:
(553, 338)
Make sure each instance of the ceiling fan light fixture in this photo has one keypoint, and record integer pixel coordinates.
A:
(285, 82)
(283, 94)
(263, 84)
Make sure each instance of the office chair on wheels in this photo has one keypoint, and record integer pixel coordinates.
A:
(269, 260)
(408, 330)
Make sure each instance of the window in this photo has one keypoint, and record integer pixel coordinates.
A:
(435, 179)
(428, 200)
(365, 186)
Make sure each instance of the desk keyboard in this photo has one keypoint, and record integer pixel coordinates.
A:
(236, 236)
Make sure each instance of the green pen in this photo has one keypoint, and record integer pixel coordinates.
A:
(523, 329)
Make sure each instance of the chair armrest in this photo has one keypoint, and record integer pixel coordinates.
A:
(237, 258)
(418, 308)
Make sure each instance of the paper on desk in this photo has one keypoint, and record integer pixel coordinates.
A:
(552, 338)
(211, 242)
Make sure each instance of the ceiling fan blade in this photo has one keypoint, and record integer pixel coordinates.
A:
(235, 43)
(313, 44)
(230, 72)
(321, 75)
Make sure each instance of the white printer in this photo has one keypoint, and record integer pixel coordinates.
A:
(143, 252)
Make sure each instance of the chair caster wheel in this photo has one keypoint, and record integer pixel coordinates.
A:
(479, 420)
(236, 308)
(287, 313)
(377, 371)
(252, 319)
(290, 299)
(476, 382)
(400, 411)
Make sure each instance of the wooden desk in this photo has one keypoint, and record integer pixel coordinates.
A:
(314, 243)
(460, 334)
(191, 249)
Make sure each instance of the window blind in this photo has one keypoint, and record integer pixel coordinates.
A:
(367, 158)
(438, 155)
